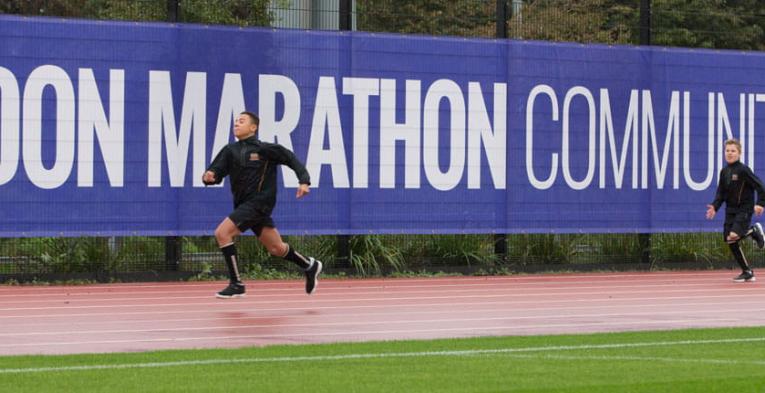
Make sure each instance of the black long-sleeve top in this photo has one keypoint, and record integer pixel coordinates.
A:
(251, 166)
(736, 188)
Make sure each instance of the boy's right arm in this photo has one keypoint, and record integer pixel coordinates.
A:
(719, 194)
(719, 198)
(218, 168)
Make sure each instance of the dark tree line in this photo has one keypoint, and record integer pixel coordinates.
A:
(225, 12)
(723, 24)
(730, 24)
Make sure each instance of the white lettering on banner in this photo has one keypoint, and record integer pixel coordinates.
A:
(725, 131)
(231, 105)
(40, 78)
(444, 89)
(408, 132)
(704, 184)
(480, 132)
(278, 131)
(10, 131)
(607, 133)
(326, 116)
(193, 122)
(445, 134)
(575, 91)
(664, 153)
(361, 89)
(672, 138)
(111, 133)
(752, 99)
(549, 92)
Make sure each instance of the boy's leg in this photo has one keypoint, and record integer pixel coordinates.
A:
(738, 254)
(272, 240)
(758, 235)
(743, 220)
(746, 272)
(224, 235)
(732, 230)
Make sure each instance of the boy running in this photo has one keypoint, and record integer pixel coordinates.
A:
(251, 166)
(736, 188)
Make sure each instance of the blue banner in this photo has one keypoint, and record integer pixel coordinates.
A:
(107, 127)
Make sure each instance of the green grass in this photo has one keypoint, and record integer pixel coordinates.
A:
(708, 360)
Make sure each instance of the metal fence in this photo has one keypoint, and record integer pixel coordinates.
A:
(707, 24)
(711, 24)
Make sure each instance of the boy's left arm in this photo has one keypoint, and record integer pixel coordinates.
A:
(283, 156)
(760, 188)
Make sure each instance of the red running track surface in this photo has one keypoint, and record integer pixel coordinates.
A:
(154, 316)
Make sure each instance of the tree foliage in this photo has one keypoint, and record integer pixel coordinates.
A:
(723, 24)
(602, 21)
(709, 23)
(435, 17)
(729, 24)
(225, 12)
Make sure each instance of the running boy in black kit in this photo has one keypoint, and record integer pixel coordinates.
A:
(251, 166)
(736, 188)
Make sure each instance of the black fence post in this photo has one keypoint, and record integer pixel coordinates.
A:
(173, 252)
(501, 19)
(173, 244)
(346, 15)
(644, 242)
(500, 246)
(644, 239)
(343, 249)
(645, 22)
(500, 239)
(172, 10)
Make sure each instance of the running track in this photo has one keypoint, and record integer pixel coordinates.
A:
(153, 316)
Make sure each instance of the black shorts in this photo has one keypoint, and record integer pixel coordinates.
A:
(248, 216)
(738, 222)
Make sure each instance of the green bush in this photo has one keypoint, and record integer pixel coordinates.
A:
(690, 247)
(371, 254)
(401, 255)
(542, 248)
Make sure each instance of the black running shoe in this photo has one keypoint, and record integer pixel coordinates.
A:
(747, 276)
(232, 290)
(312, 275)
(758, 235)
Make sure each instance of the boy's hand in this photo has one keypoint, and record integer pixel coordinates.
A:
(302, 190)
(711, 212)
(208, 177)
(758, 210)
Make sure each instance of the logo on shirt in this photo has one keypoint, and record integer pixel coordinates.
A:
(256, 157)
(734, 177)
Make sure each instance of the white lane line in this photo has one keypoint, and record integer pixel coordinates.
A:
(254, 307)
(398, 332)
(261, 313)
(391, 320)
(290, 287)
(388, 282)
(750, 292)
(382, 355)
(606, 358)
(118, 296)
(452, 308)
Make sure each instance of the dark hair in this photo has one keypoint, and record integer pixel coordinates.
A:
(255, 119)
